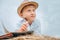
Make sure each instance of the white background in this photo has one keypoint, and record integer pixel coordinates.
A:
(48, 13)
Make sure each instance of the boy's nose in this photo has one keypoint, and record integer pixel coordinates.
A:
(33, 13)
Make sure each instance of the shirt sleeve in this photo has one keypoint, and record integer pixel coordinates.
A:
(19, 24)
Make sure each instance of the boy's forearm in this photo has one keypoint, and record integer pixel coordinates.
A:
(6, 36)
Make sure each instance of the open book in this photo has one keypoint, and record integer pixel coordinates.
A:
(15, 34)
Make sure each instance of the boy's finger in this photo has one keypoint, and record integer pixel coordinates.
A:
(25, 25)
(24, 28)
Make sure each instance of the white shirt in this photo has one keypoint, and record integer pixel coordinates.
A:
(35, 26)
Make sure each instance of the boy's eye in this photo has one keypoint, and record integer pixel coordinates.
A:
(33, 10)
(29, 10)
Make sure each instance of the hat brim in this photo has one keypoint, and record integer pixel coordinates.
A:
(24, 4)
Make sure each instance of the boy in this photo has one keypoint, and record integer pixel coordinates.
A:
(27, 11)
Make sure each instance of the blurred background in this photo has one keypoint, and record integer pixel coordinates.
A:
(48, 13)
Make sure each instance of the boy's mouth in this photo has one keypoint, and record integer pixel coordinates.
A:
(32, 16)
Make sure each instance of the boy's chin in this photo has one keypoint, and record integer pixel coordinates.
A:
(32, 19)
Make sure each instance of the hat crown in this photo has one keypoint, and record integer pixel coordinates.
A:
(26, 1)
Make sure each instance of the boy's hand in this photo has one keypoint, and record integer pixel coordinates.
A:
(23, 27)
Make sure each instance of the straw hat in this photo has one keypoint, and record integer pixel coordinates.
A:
(26, 3)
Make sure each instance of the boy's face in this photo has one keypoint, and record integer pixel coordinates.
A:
(29, 13)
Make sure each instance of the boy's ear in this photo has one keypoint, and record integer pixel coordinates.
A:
(21, 15)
